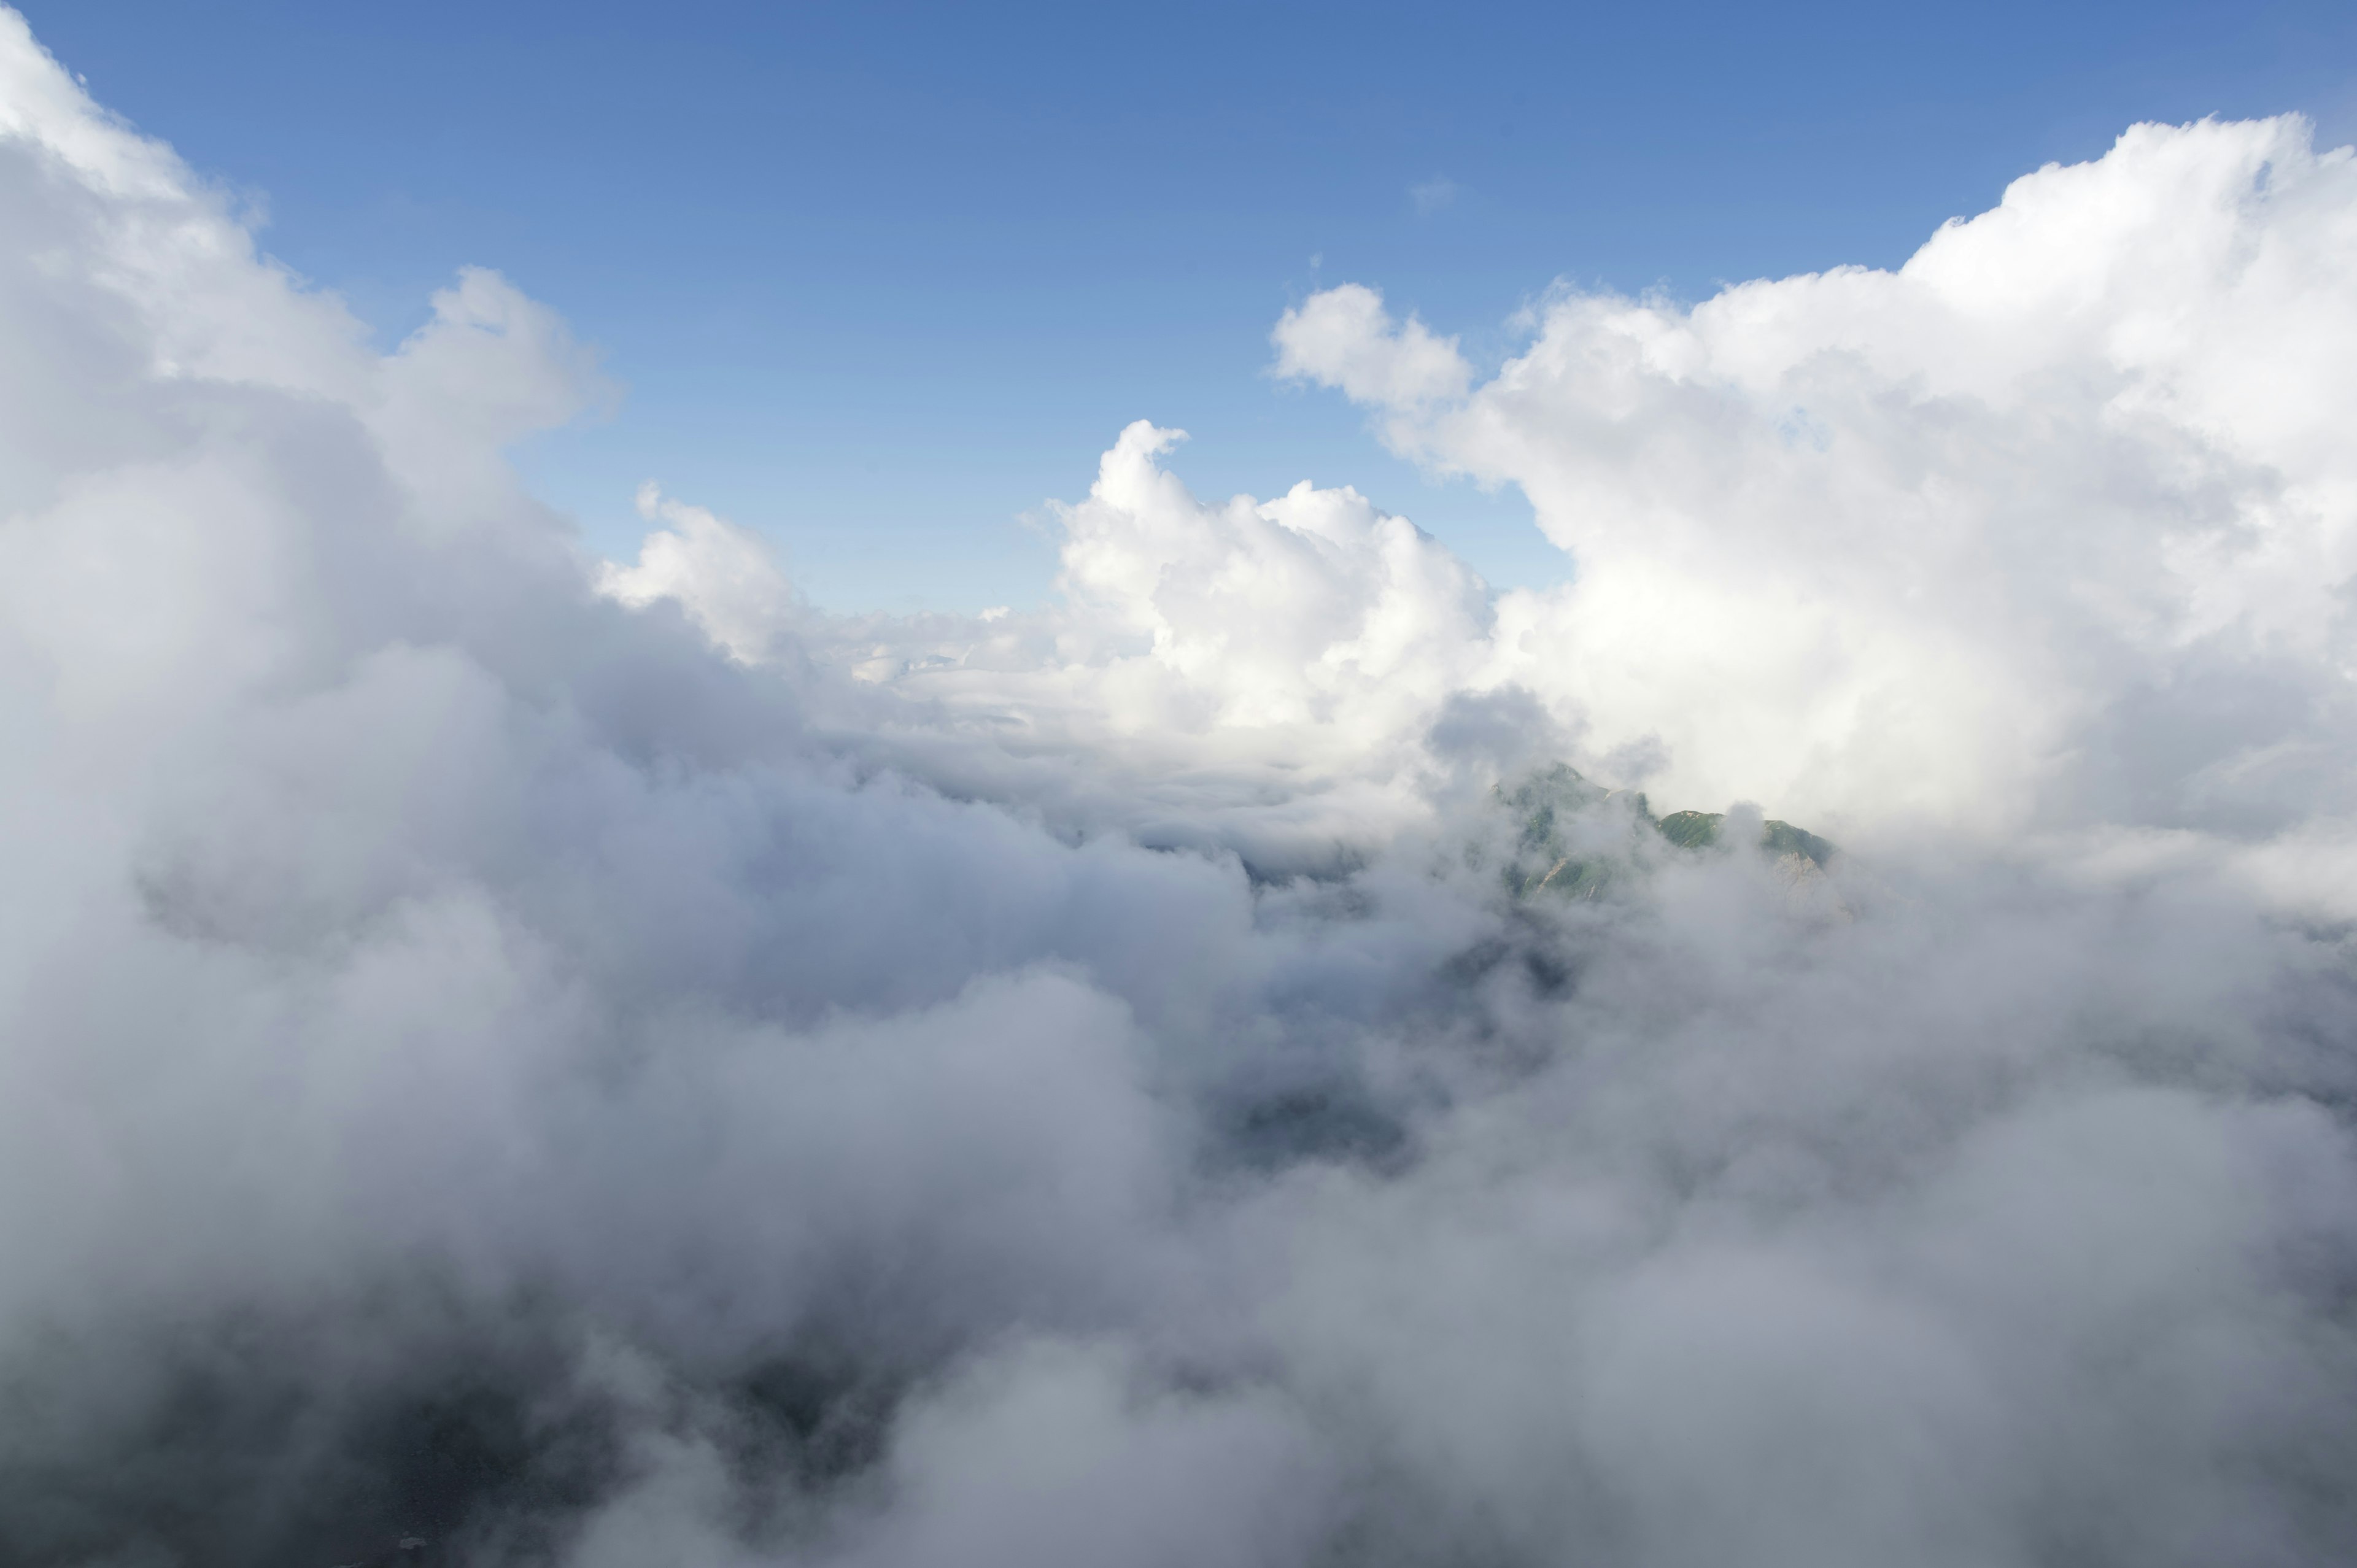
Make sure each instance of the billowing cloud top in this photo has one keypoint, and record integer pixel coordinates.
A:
(2049, 526)
(512, 1057)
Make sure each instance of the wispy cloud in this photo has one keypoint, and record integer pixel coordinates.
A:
(1432, 196)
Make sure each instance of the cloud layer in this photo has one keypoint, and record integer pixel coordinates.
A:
(599, 1063)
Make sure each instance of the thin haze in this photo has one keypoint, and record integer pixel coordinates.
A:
(549, 1060)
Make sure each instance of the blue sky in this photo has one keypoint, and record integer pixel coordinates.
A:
(880, 280)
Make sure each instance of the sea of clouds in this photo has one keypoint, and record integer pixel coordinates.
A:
(556, 1060)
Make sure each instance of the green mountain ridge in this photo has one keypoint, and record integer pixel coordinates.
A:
(1573, 837)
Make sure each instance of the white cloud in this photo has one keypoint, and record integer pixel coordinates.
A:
(1345, 337)
(727, 579)
(2049, 525)
(604, 1063)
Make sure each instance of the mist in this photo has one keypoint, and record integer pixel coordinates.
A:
(517, 1058)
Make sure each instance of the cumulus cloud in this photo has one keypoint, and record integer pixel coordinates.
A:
(552, 1061)
(2048, 526)
(727, 579)
(1345, 338)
